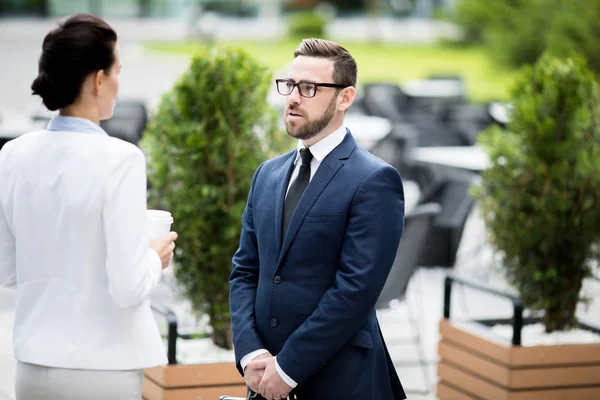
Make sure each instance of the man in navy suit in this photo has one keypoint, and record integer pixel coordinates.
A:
(319, 235)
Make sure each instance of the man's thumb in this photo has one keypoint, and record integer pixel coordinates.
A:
(259, 364)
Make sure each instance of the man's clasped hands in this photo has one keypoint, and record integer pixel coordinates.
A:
(262, 377)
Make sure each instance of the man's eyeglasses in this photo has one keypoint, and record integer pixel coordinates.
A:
(307, 89)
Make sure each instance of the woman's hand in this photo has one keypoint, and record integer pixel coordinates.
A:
(164, 247)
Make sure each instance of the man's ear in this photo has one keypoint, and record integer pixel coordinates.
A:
(346, 98)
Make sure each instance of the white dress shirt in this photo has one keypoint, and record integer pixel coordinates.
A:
(73, 241)
(319, 150)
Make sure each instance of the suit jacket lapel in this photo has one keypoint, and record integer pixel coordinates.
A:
(285, 174)
(327, 170)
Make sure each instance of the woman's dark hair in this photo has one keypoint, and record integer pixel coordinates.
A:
(81, 45)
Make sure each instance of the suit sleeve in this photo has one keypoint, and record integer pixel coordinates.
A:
(243, 282)
(375, 225)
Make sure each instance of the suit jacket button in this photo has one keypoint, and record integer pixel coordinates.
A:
(277, 279)
(273, 322)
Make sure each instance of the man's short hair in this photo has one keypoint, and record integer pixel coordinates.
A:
(344, 65)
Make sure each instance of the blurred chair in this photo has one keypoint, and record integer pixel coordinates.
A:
(384, 100)
(357, 105)
(417, 228)
(452, 193)
(432, 132)
(424, 175)
(128, 122)
(396, 147)
(469, 120)
(434, 93)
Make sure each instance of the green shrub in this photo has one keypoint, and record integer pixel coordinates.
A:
(476, 17)
(518, 32)
(307, 24)
(210, 133)
(541, 197)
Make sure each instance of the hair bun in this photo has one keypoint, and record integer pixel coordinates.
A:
(81, 45)
(45, 87)
(41, 84)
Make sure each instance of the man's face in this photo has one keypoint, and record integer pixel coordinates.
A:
(307, 117)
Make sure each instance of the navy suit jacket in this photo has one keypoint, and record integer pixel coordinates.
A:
(308, 297)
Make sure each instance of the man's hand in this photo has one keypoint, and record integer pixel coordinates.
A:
(272, 386)
(253, 374)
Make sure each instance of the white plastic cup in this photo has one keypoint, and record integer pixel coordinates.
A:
(159, 224)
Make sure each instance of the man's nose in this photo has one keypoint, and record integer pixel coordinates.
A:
(294, 97)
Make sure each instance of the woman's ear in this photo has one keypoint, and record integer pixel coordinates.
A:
(97, 79)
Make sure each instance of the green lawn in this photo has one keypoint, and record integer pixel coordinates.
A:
(387, 62)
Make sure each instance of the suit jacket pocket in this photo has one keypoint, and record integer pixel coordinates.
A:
(362, 339)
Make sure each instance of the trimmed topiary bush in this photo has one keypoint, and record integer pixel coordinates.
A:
(209, 134)
(541, 196)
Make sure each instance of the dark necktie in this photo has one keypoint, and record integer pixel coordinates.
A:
(297, 188)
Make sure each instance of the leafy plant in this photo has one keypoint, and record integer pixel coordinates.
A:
(518, 32)
(307, 24)
(540, 197)
(210, 133)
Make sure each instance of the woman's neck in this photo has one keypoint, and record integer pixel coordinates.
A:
(80, 112)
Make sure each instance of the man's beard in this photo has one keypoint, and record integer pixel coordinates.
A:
(311, 128)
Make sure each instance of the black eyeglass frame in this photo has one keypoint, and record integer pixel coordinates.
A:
(297, 84)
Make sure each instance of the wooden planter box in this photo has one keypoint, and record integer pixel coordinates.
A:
(474, 364)
(193, 382)
(189, 381)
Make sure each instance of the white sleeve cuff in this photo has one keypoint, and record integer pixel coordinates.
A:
(251, 356)
(284, 376)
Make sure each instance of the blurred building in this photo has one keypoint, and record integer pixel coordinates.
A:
(234, 8)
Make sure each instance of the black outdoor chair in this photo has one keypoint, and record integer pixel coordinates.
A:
(452, 193)
(469, 120)
(396, 148)
(128, 121)
(417, 228)
(384, 100)
(435, 133)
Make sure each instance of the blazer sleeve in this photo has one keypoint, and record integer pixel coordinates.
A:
(243, 282)
(375, 225)
(8, 258)
(134, 269)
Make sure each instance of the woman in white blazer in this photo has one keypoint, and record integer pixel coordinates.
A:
(73, 232)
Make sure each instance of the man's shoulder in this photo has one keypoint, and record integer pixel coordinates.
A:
(276, 162)
(367, 163)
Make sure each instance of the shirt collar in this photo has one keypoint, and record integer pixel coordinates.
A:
(65, 123)
(323, 147)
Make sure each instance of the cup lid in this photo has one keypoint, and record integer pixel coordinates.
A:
(160, 215)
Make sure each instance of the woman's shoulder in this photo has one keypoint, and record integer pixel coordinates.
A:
(121, 147)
